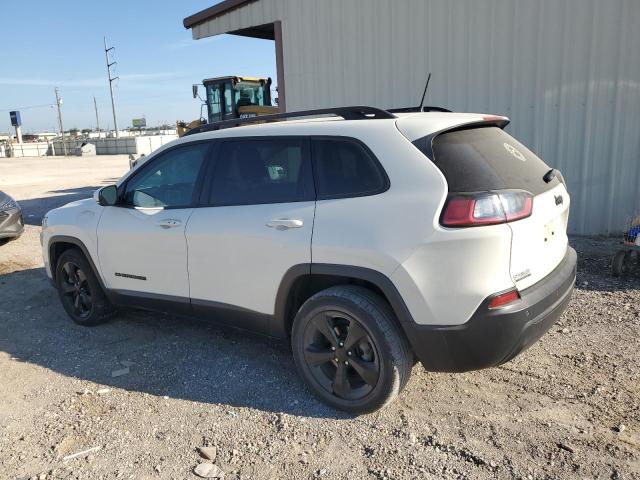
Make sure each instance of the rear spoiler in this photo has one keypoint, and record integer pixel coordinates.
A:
(487, 121)
(418, 109)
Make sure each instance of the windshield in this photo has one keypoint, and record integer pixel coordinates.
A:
(248, 93)
(224, 100)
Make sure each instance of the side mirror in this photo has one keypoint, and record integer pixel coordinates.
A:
(107, 196)
(194, 90)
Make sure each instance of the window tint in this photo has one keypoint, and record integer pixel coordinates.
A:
(260, 171)
(487, 158)
(345, 168)
(169, 180)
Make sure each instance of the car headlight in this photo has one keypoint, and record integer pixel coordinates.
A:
(9, 204)
(44, 222)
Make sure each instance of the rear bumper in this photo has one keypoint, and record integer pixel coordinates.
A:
(493, 337)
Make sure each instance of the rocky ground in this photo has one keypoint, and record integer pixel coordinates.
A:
(137, 397)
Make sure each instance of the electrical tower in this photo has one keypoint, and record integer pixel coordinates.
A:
(111, 80)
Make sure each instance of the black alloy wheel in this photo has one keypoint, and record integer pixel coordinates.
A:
(80, 290)
(342, 357)
(75, 289)
(350, 350)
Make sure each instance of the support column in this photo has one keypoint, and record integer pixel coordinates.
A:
(277, 28)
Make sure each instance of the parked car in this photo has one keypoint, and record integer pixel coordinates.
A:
(369, 243)
(11, 222)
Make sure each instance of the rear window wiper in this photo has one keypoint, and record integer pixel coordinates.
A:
(550, 175)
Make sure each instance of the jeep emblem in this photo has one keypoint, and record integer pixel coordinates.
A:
(514, 151)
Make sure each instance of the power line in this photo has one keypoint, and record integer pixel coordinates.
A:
(27, 108)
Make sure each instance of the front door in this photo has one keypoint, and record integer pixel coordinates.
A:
(141, 242)
(255, 222)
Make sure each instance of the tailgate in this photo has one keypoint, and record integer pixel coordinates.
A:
(483, 161)
(539, 242)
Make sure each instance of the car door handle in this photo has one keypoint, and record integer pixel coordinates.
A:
(169, 223)
(285, 223)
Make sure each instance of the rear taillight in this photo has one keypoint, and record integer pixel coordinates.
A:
(504, 299)
(486, 208)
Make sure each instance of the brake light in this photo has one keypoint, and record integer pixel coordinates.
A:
(504, 299)
(494, 118)
(486, 208)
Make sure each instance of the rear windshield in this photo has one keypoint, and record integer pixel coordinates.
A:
(487, 158)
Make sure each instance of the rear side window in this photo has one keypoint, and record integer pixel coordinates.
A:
(344, 168)
(487, 158)
(260, 171)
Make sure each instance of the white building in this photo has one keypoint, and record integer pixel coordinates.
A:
(567, 72)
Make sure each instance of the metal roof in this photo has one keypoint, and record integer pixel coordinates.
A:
(565, 72)
(214, 12)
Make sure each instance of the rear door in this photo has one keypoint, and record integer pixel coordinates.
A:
(489, 159)
(254, 223)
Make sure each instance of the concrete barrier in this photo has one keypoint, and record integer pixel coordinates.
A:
(31, 149)
(72, 145)
(150, 143)
(118, 146)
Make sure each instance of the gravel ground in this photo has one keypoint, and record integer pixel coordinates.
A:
(145, 390)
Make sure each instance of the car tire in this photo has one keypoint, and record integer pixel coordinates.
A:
(349, 349)
(79, 289)
(620, 263)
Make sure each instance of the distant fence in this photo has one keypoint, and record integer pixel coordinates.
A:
(31, 149)
(104, 146)
(150, 143)
(117, 146)
(58, 146)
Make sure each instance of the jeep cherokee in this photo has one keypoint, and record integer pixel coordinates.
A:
(369, 241)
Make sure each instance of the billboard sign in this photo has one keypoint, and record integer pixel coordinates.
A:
(16, 120)
(139, 122)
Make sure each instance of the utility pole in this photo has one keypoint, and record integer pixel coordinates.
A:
(95, 106)
(111, 80)
(58, 104)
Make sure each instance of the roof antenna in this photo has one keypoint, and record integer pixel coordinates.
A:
(424, 94)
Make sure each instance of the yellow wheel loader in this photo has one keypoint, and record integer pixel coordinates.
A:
(231, 97)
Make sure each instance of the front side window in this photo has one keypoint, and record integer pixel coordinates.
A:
(168, 181)
(259, 172)
(344, 168)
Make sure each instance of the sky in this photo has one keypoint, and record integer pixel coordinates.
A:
(45, 44)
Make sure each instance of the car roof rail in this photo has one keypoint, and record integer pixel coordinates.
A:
(418, 109)
(347, 113)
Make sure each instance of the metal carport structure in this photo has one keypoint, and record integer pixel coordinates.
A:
(567, 72)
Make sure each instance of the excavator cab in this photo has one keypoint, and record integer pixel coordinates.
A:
(237, 97)
(231, 97)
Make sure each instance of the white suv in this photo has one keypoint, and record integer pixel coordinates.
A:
(370, 241)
